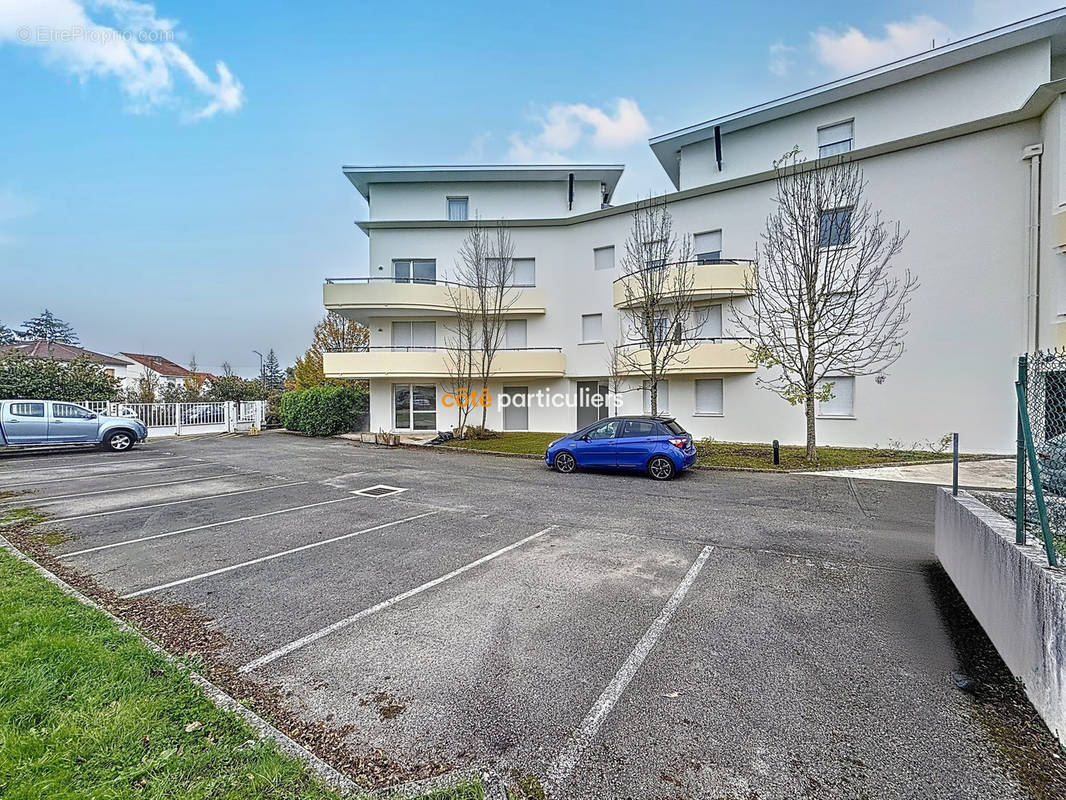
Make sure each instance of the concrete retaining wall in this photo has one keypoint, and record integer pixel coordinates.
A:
(1019, 600)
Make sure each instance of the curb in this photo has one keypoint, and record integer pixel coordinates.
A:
(494, 785)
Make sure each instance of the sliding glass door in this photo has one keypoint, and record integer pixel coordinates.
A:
(414, 407)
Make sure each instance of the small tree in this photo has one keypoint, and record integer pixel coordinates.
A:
(823, 299)
(273, 377)
(50, 328)
(148, 386)
(227, 369)
(658, 323)
(194, 382)
(333, 334)
(7, 336)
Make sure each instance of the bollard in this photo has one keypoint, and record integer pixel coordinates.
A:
(955, 464)
(777, 452)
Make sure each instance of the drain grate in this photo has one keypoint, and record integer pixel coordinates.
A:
(381, 490)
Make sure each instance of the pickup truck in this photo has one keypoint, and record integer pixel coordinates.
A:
(51, 422)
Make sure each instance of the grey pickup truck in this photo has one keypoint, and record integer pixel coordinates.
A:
(51, 422)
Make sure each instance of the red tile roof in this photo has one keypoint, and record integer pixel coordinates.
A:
(164, 366)
(41, 348)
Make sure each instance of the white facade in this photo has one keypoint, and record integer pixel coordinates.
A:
(960, 145)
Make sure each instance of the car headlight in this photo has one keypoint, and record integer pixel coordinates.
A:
(552, 444)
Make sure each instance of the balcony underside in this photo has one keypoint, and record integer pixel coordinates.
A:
(362, 301)
(707, 358)
(709, 282)
(436, 364)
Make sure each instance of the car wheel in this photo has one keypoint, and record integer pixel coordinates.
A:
(661, 468)
(564, 463)
(119, 441)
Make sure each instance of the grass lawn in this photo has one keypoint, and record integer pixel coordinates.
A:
(88, 711)
(726, 454)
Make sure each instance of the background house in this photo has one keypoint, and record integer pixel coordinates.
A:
(43, 349)
(165, 371)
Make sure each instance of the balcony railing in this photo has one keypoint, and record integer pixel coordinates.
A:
(711, 278)
(424, 282)
(363, 298)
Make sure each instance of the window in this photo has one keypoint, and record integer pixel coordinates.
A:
(666, 327)
(708, 247)
(842, 403)
(523, 272)
(605, 430)
(663, 397)
(834, 228)
(655, 254)
(641, 427)
(67, 411)
(709, 322)
(414, 334)
(603, 258)
(458, 208)
(415, 271)
(591, 328)
(27, 409)
(835, 139)
(514, 333)
(709, 396)
(414, 406)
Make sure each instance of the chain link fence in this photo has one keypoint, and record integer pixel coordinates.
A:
(1040, 494)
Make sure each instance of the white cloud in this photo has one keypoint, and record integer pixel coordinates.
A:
(851, 50)
(781, 59)
(566, 126)
(125, 41)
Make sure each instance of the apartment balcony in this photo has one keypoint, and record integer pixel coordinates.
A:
(719, 279)
(362, 298)
(708, 357)
(434, 362)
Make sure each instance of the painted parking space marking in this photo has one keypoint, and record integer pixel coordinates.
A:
(65, 465)
(581, 739)
(203, 527)
(274, 655)
(42, 500)
(282, 554)
(381, 490)
(172, 503)
(99, 476)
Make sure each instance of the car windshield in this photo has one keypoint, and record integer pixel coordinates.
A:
(673, 427)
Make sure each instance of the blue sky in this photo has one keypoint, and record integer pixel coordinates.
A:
(180, 192)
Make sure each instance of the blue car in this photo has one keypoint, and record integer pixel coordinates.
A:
(656, 445)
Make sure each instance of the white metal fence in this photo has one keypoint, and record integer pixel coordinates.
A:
(174, 419)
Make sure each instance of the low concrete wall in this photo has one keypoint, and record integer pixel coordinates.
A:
(1019, 600)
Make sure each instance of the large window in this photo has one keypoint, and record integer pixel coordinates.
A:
(708, 247)
(414, 406)
(709, 397)
(603, 258)
(834, 228)
(709, 322)
(514, 334)
(591, 328)
(414, 270)
(458, 208)
(662, 396)
(836, 139)
(842, 403)
(523, 272)
(414, 334)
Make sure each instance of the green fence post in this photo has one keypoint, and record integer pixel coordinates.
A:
(1019, 486)
(1034, 470)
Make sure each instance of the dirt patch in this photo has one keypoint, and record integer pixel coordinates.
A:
(389, 706)
(188, 634)
(1030, 751)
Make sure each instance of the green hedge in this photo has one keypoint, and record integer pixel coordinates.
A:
(24, 378)
(324, 410)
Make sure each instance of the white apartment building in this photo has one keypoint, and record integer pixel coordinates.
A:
(965, 145)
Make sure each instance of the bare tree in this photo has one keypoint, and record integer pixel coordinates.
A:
(486, 291)
(658, 323)
(459, 350)
(823, 299)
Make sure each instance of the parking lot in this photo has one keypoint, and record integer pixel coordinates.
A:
(724, 635)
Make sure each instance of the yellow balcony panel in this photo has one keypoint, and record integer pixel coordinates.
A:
(710, 357)
(361, 299)
(434, 363)
(728, 278)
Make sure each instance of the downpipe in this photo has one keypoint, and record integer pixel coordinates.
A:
(1033, 154)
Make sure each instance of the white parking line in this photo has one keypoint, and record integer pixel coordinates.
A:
(99, 476)
(581, 738)
(366, 612)
(43, 500)
(272, 556)
(172, 503)
(64, 465)
(203, 527)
